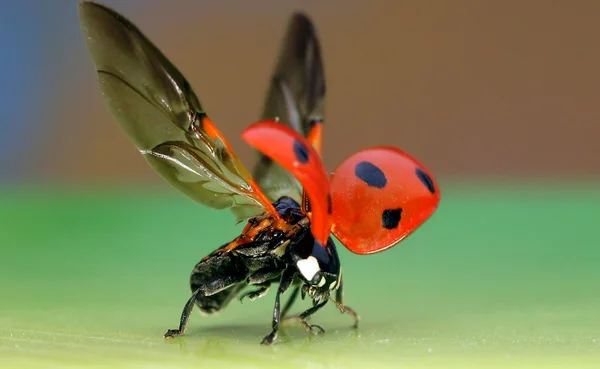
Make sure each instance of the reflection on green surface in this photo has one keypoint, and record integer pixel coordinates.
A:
(496, 279)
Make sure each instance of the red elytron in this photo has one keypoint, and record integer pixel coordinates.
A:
(375, 198)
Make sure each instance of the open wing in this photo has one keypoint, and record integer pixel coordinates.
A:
(158, 110)
(296, 98)
(294, 153)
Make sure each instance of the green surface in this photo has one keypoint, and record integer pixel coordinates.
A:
(498, 278)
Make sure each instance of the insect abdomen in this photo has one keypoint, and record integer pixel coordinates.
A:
(220, 277)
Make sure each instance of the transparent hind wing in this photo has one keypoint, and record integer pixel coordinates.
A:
(295, 98)
(157, 109)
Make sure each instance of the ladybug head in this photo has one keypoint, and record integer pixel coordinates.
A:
(318, 265)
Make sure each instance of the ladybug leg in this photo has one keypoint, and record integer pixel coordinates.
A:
(185, 316)
(258, 293)
(339, 294)
(286, 280)
(207, 289)
(262, 279)
(314, 329)
(288, 306)
(289, 303)
(339, 302)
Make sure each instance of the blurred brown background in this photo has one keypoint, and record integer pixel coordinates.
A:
(471, 88)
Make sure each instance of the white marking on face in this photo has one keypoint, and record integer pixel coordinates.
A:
(332, 285)
(308, 267)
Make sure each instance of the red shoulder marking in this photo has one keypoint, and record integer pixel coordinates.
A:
(252, 229)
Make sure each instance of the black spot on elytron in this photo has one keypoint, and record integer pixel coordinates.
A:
(391, 218)
(426, 179)
(370, 174)
(301, 152)
(329, 204)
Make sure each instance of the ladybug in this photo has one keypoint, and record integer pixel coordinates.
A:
(373, 200)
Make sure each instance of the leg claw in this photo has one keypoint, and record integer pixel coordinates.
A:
(172, 333)
(348, 310)
(313, 329)
(268, 339)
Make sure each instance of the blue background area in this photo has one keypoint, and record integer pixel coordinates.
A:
(24, 67)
